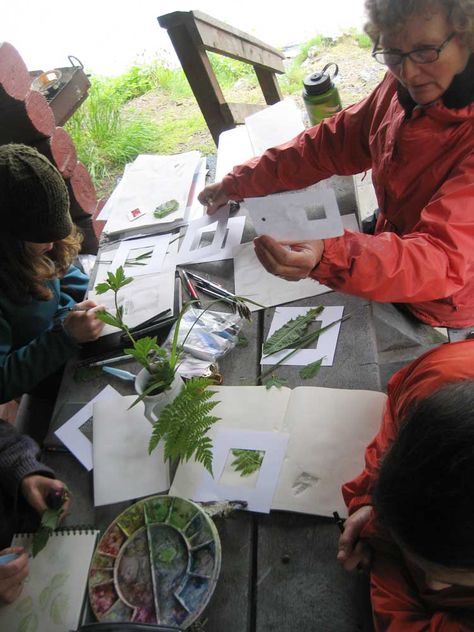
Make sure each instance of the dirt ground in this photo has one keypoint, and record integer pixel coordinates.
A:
(358, 75)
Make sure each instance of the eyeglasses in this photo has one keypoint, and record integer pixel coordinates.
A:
(425, 55)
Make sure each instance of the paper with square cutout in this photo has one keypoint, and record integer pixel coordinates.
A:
(201, 486)
(128, 250)
(325, 345)
(191, 248)
(310, 213)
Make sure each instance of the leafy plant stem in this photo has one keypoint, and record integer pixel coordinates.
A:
(308, 339)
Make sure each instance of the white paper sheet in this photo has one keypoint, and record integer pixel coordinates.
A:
(253, 281)
(274, 125)
(70, 432)
(145, 297)
(123, 469)
(197, 484)
(329, 430)
(53, 595)
(191, 250)
(326, 343)
(230, 243)
(156, 244)
(148, 182)
(310, 213)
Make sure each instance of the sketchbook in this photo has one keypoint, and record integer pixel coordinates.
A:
(53, 596)
(328, 430)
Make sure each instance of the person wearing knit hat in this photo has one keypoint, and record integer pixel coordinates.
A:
(39, 286)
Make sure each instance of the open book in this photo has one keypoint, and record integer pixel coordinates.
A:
(53, 597)
(327, 431)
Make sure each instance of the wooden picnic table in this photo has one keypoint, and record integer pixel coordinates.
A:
(279, 571)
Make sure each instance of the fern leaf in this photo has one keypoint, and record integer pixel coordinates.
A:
(247, 461)
(310, 370)
(183, 425)
(290, 332)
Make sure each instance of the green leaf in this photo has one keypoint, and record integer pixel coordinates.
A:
(275, 381)
(166, 209)
(108, 319)
(247, 461)
(40, 539)
(50, 518)
(102, 288)
(290, 332)
(183, 424)
(59, 607)
(45, 596)
(310, 370)
(242, 341)
(28, 623)
(87, 373)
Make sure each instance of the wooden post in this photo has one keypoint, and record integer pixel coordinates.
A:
(192, 33)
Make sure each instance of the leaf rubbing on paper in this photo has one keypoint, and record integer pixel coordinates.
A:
(290, 332)
(310, 370)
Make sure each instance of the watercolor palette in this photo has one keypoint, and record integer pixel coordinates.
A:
(158, 562)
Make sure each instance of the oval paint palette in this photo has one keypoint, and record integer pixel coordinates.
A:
(158, 562)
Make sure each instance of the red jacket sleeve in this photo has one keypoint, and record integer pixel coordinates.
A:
(337, 146)
(432, 370)
(433, 261)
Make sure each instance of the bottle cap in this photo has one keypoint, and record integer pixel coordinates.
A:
(319, 82)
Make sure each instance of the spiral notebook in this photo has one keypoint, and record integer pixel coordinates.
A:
(53, 596)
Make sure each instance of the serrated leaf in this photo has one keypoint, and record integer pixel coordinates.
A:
(290, 332)
(310, 370)
(102, 288)
(108, 319)
(278, 382)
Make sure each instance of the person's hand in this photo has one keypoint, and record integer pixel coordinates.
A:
(213, 197)
(289, 260)
(353, 552)
(81, 323)
(36, 488)
(13, 574)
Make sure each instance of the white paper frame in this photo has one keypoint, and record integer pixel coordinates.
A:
(283, 215)
(70, 432)
(159, 245)
(326, 343)
(194, 481)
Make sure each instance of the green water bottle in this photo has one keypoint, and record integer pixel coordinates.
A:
(320, 95)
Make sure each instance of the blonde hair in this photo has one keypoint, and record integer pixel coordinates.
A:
(391, 16)
(23, 271)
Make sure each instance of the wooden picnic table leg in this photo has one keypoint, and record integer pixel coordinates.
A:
(269, 85)
(203, 82)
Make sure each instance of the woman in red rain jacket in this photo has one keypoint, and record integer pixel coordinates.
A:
(416, 133)
(411, 509)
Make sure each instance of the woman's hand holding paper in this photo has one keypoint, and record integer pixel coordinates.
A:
(289, 260)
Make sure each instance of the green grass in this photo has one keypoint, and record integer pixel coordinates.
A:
(107, 134)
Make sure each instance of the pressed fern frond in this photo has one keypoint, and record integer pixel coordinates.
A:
(183, 425)
(247, 461)
(290, 332)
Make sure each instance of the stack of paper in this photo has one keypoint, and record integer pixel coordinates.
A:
(147, 183)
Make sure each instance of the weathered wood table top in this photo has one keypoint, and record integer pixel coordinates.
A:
(279, 571)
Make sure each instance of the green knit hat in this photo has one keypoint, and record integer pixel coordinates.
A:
(34, 201)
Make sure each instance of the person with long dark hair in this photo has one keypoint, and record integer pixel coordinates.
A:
(43, 317)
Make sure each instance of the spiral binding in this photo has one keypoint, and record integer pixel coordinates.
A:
(74, 530)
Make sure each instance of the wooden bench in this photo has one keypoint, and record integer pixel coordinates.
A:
(192, 33)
